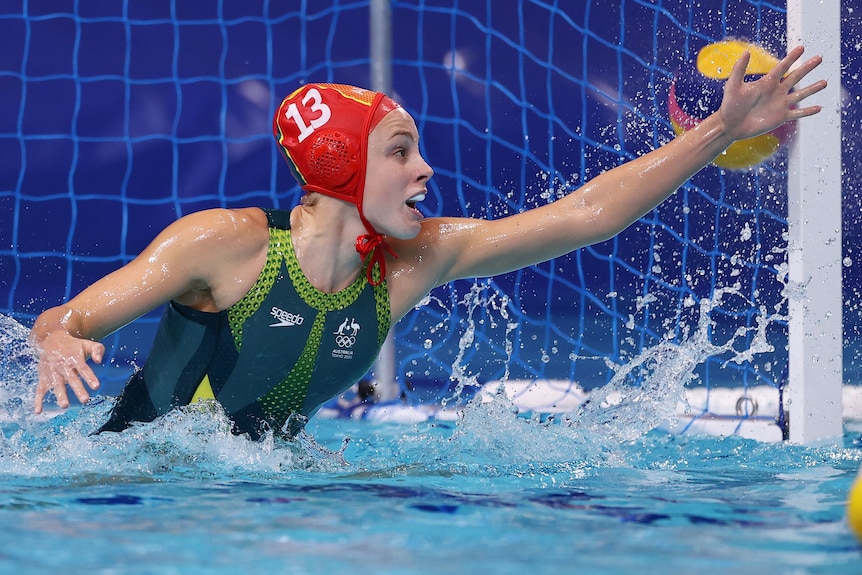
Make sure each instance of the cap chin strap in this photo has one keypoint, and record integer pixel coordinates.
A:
(370, 248)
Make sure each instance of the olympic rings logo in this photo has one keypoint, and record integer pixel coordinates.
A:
(344, 341)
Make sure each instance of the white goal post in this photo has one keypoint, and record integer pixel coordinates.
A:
(814, 213)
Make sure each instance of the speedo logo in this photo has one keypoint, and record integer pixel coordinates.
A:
(285, 318)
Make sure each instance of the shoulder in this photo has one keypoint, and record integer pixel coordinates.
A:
(220, 251)
(218, 228)
(223, 221)
(210, 239)
(444, 242)
(442, 235)
(429, 259)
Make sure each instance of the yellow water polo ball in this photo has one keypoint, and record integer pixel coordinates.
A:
(854, 507)
(697, 90)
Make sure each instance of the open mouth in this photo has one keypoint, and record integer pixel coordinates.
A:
(411, 203)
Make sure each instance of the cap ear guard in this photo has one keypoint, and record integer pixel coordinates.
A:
(333, 161)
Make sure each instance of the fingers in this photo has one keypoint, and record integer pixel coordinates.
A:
(55, 373)
(737, 73)
(50, 381)
(84, 373)
(797, 113)
(798, 95)
(45, 384)
(785, 64)
(781, 70)
(97, 352)
(791, 78)
(57, 382)
(796, 76)
(72, 377)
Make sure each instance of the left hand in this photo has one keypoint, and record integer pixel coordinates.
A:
(753, 108)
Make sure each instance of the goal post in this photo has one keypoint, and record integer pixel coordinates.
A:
(815, 263)
(380, 28)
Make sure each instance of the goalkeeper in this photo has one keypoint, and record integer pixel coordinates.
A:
(272, 313)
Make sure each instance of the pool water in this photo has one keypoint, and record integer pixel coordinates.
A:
(492, 492)
(484, 489)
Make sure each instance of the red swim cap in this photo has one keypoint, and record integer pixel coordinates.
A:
(322, 131)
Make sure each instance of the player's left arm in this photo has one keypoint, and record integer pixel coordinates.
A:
(615, 199)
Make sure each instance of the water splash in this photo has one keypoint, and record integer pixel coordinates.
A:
(644, 394)
(189, 442)
(491, 437)
(192, 441)
(17, 370)
(478, 298)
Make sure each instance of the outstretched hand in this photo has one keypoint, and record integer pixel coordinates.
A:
(753, 108)
(62, 362)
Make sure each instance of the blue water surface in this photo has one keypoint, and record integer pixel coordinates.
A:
(491, 492)
(483, 489)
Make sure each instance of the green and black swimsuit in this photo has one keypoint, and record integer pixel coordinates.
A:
(285, 348)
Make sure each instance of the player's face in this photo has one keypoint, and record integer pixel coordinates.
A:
(396, 176)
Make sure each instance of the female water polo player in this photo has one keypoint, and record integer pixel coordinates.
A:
(272, 313)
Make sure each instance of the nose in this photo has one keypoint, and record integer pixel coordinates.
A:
(425, 171)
